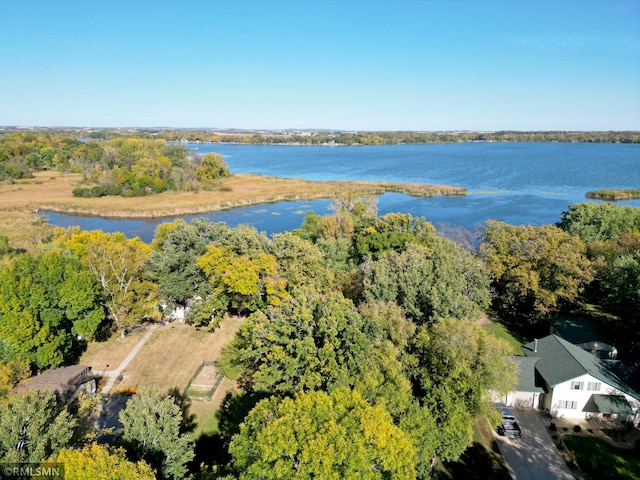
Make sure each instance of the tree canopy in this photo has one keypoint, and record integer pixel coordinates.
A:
(599, 221)
(152, 429)
(320, 435)
(33, 427)
(99, 462)
(537, 271)
(120, 265)
(428, 282)
(46, 301)
(313, 341)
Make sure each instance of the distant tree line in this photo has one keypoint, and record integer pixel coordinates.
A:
(395, 138)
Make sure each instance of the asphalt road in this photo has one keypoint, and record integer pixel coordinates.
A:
(534, 456)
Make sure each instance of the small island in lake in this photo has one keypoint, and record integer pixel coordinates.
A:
(614, 194)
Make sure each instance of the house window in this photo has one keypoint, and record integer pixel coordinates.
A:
(577, 385)
(595, 386)
(568, 404)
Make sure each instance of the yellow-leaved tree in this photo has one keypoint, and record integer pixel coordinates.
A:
(120, 265)
(99, 462)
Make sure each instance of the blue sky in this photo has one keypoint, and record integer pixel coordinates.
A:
(350, 64)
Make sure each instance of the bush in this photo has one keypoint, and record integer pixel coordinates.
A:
(553, 427)
(577, 428)
(81, 192)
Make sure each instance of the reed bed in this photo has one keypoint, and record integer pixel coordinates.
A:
(52, 192)
(613, 195)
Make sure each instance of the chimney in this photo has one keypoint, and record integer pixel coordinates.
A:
(535, 345)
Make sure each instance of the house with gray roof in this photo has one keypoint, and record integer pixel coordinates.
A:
(570, 382)
(65, 383)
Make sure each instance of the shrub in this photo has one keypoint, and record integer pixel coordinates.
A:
(577, 428)
(553, 427)
(81, 192)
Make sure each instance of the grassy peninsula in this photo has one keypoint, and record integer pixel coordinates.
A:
(52, 191)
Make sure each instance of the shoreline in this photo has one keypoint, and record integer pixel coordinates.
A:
(52, 192)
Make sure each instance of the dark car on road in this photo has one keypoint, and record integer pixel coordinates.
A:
(508, 427)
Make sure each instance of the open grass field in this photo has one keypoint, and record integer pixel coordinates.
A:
(174, 352)
(107, 355)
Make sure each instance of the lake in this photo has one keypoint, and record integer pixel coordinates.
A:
(519, 183)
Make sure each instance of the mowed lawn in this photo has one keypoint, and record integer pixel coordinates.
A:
(598, 459)
(105, 356)
(174, 352)
(168, 359)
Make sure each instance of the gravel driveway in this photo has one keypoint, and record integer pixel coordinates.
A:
(534, 456)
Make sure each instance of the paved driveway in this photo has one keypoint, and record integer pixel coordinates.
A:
(534, 456)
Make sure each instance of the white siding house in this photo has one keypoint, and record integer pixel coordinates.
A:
(576, 384)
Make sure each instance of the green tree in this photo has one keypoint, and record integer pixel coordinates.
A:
(536, 271)
(46, 301)
(320, 435)
(120, 265)
(599, 221)
(152, 430)
(313, 341)
(174, 263)
(300, 261)
(211, 166)
(100, 462)
(428, 282)
(33, 427)
(393, 232)
(456, 364)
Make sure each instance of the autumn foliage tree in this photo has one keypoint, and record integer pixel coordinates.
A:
(321, 435)
(120, 265)
(240, 282)
(100, 462)
(536, 271)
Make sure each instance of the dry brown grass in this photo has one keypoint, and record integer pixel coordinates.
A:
(52, 191)
(110, 352)
(25, 230)
(174, 352)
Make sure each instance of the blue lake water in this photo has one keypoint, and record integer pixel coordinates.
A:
(519, 183)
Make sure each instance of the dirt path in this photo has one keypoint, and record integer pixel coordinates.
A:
(113, 374)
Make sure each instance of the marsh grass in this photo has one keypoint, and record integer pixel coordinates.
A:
(52, 191)
(26, 231)
(613, 194)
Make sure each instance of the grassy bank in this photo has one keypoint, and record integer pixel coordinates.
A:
(614, 195)
(52, 191)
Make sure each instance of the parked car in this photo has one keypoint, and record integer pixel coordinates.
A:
(509, 426)
(511, 430)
